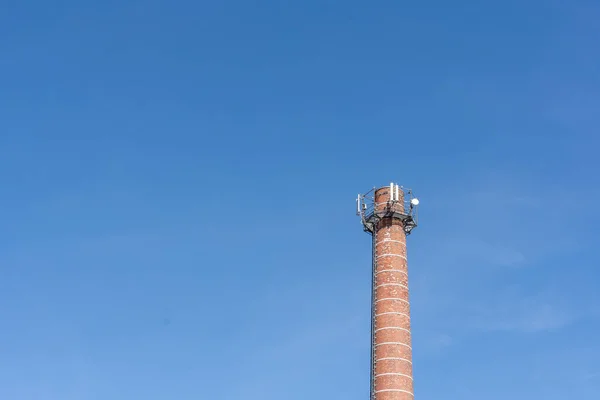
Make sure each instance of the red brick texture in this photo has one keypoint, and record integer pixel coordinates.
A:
(392, 353)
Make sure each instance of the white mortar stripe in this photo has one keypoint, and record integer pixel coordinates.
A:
(392, 284)
(394, 374)
(392, 327)
(391, 255)
(390, 241)
(393, 312)
(393, 359)
(393, 343)
(394, 390)
(391, 270)
(392, 298)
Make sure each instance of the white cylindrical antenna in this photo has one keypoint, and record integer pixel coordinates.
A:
(392, 191)
(358, 205)
(397, 192)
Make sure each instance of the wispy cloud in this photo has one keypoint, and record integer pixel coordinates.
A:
(479, 252)
(300, 355)
(590, 376)
(498, 231)
(530, 319)
(516, 310)
(433, 343)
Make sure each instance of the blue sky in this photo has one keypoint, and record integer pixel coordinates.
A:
(179, 178)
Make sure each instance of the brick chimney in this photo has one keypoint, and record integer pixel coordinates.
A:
(389, 218)
(392, 363)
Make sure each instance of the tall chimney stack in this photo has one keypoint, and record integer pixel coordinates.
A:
(389, 215)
